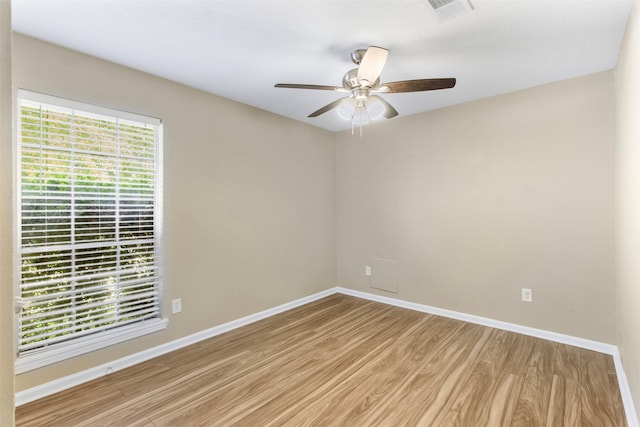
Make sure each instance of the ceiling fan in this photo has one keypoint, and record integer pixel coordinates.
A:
(364, 83)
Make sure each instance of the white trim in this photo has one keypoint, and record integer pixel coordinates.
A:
(58, 101)
(55, 386)
(84, 345)
(512, 327)
(69, 381)
(158, 211)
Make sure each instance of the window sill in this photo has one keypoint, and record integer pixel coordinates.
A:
(87, 344)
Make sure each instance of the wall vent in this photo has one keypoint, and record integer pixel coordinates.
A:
(448, 9)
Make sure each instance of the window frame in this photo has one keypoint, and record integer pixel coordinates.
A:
(84, 344)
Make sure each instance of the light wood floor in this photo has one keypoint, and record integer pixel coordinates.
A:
(344, 361)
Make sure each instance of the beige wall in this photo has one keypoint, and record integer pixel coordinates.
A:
(249, 196)
(476, 201)
(628, 203)
(6, 228)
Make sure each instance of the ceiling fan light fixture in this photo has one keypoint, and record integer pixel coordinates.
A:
(348, 110)
(360, 115)
(374, 108)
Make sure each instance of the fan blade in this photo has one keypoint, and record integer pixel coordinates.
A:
(389, 111)
(327, 107)
(303, 86)
(419, 85)
(372, 64)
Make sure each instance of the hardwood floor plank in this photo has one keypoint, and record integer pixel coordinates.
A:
(119, 419)
(520, 354)
(482, 395)
(346, 361)
(432, 390)
(572, 404)
(595, 391)
(533, 403)
(567, 362)
(458, 375)
(504, 401)
(557, 406)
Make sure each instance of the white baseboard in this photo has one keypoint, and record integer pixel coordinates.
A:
(55, 386)
(484, 321)
(73, 380)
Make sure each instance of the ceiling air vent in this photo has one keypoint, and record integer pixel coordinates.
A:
(447, 9)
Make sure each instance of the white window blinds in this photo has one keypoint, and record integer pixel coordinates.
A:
(89, 216)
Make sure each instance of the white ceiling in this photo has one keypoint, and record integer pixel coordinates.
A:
(240, 48)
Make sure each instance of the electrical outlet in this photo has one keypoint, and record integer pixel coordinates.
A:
(176, 305)
(527, 295)
(367, 270)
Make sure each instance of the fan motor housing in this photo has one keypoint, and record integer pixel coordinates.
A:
(350, 81)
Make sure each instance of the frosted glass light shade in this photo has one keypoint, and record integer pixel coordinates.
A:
(347, 111)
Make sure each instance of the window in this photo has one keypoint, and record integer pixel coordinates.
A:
(89, 214)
